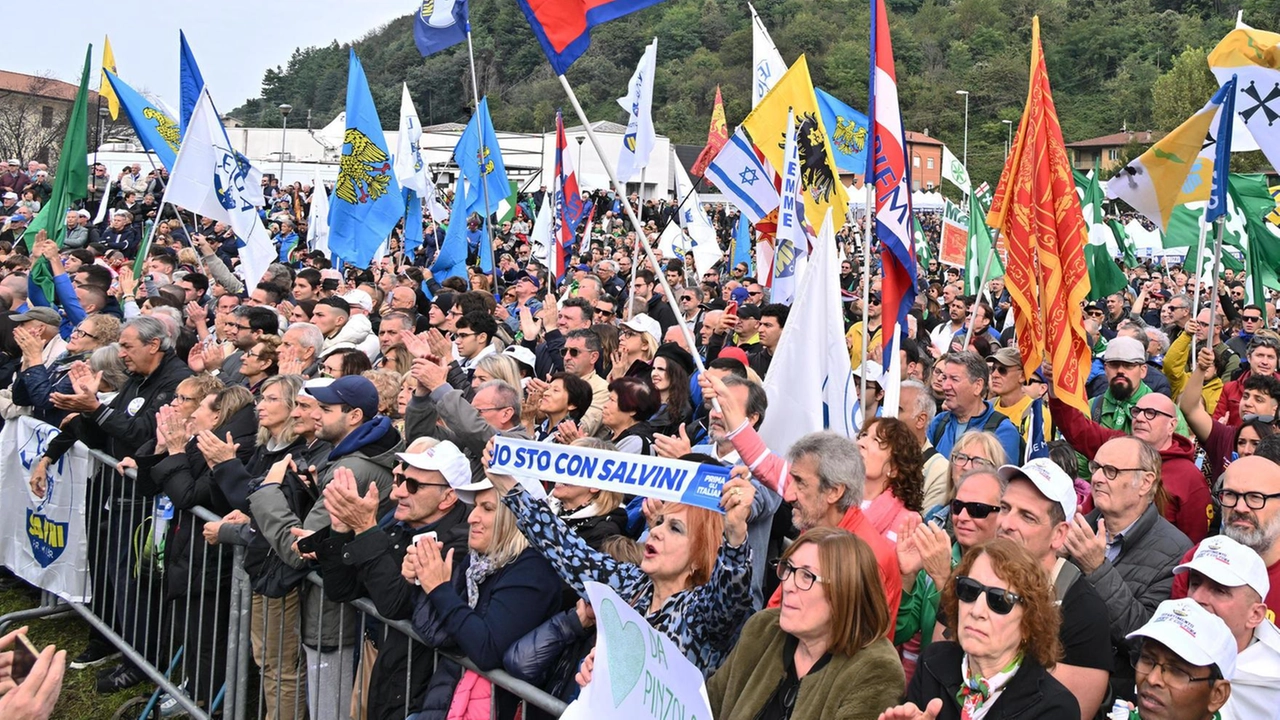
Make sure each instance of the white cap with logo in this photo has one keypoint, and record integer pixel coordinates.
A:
(1228, 563)
(445, 458)
(1049, 479)
(1193, 633)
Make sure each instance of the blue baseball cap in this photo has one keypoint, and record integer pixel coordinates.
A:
(353, 390)
(739, 295)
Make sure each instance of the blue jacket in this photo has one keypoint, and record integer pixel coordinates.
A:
(513, 601)
(944, 429)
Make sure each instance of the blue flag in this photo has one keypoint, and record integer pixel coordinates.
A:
(742, 244)
(440, 24)
(366, 204)
(1226, 96)
(1037, 444)
(190, 81)
(412, 223)
(848, 131)
(452, 258)
(157, 132)
(480, 161)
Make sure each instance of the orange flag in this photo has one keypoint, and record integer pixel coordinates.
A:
(1038, 212)
(717, 136)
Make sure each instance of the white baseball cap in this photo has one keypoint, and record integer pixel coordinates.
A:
(642, 323)
(443, 457)
(521, 354)
(1196, 635)
(874, 371)
(1049, 479)
(359, 298)
(1228, 563)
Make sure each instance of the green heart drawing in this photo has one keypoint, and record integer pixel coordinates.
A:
(626, 651)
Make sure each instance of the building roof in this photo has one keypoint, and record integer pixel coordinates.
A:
(1119, 139)
(601, 126)
(916, 138)
(42, 87)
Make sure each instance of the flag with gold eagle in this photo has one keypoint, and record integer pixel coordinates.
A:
(767, 128)
(1038, 212)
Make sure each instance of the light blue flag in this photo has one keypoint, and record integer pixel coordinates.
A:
(848, 131)
(452, 258)
(366, 202)
(412, 223)
(157, 132)
(480, 160)
(190, 82)
(742, 244)
(440, 24)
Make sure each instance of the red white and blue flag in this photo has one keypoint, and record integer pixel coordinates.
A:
(568, 203)
(889, 171)
(563, 27)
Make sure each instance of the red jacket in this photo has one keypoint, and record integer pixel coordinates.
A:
(1228, 410)
(1190, 505)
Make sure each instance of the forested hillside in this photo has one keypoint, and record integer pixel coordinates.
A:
(1111, 62)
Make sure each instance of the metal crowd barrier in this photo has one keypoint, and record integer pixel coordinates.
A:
(211, 645)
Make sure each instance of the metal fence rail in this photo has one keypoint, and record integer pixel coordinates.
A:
(196, 644)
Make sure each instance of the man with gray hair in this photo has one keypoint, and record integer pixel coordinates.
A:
(965, 380)
(822, 477)
(301, 344)
(917, 411)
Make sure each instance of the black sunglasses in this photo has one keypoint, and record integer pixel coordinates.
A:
(399, 479)
(1000, 601)
(976, 510)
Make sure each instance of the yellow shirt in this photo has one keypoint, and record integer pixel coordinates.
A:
(1019, 414)
(854, 340)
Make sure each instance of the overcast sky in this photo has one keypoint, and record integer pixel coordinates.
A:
(234, 41)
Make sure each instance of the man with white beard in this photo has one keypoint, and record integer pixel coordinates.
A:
(1250, 499)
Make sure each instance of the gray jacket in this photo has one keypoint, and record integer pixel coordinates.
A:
(325, 624)
(219, 273)
(463, 425)
(1141, 576)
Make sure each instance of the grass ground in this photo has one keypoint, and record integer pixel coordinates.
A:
(79, 699)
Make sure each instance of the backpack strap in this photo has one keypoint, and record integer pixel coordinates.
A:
(1068, 573)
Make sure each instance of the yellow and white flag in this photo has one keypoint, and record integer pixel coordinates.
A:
(1253, 57)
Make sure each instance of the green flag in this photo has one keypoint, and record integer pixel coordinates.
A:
(1105, 277)
(923, 253)
(69, 185)
(506, 210)
(1262, 241)
(1125, 242)
(977, 251)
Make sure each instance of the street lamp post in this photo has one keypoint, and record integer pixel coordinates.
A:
(284, 127)
(581, 140)
(103, 114)
(1008, 143)
(965, 156)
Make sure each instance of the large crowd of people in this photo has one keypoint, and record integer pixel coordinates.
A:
(340, 421)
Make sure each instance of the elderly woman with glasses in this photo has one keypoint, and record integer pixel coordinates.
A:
(35, 381)
(1006, 625)
(823, 653)
(974, 450)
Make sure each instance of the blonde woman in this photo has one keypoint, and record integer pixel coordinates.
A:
(974, 450)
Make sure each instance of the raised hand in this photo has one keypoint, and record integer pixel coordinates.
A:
(215, 450)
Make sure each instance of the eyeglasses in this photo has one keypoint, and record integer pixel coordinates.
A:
(758, 293)
(572, 351)
(185, 398)
(804, 578)
(1148, 413)
(459, 335)
(1110, 472)
(1174, 676)
(1255, 500)
(1000, 601)
(604, 313)
(998, 369)
(78, 333)
(1122, 365)
(1178, 307)
(1251, 318)
(976, 510)
(971, 460)
(486, 409)
(686, 298)
(399, 478)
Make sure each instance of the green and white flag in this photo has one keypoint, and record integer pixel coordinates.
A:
(923, 254)
(954, 171)
(977, 250)
(1125, 243)
(1105, 276)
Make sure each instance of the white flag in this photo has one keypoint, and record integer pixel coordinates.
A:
(411, 172)
(439, 213)
(318, 220)
(704, 245)
(810, 383)
(954, 171)
(746, 178)
(209, 179)
(540, 237)
(791, 237)
(103, 206)
(767, 67)
(638, 143)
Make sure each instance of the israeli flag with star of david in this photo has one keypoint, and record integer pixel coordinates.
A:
(742, 174)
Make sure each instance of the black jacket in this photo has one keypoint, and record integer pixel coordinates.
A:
(659, 309)
(185, 477)
(548, 657)
(1032, 693)
(368, 565)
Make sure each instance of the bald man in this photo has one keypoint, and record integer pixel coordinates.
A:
(1189, 506)
(1256, 528)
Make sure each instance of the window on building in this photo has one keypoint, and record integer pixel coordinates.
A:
(915, 161)
(1113, 154)
(46, 117)
(928, 163)
(928, 186)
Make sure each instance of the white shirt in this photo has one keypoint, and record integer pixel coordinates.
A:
(1255, 689)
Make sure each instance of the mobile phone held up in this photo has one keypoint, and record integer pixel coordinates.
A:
(24, 658)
